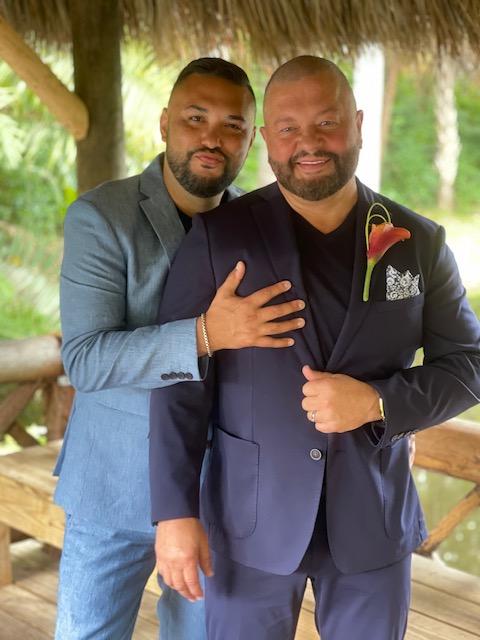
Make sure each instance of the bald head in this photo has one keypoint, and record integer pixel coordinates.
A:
(304, 66)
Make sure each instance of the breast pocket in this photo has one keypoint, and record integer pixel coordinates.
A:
(230, 490)
(385, 306)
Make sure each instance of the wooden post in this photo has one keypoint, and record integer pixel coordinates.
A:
(96, 36)
(5, 560)
(58, 400)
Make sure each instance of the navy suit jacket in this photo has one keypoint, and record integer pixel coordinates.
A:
(268, 464)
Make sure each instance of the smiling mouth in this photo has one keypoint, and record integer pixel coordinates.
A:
(313, 162)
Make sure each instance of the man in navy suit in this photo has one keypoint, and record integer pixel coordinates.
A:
(309, 471)
(120, 239)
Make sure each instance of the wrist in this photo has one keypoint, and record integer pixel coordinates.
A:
(206, 341)
(201, 348)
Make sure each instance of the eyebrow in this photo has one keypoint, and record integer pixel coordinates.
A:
(196, 107)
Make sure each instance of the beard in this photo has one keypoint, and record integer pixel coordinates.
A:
(202, 187)
(321, 187)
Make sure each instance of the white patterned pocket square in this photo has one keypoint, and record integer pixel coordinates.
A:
(401, 285)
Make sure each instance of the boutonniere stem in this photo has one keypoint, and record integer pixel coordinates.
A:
(379, 240)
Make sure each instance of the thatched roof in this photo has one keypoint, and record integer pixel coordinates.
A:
(272, 30)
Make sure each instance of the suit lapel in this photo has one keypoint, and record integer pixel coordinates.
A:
(160, 210)
(357, 309)
(275, 226)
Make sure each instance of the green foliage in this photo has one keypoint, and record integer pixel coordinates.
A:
(19, 318)
(29, 267)
(468, 104)
(408, 173)
(37, 156)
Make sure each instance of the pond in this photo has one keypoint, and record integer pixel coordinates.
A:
(439, 494)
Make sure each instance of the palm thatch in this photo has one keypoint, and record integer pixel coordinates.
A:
(271, 30)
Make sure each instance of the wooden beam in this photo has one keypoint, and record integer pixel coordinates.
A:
(15, 403)
(451, 448)
(66, 106)
(30, 359)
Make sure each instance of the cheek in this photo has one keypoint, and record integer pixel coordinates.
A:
(281, 151)
(237, 148)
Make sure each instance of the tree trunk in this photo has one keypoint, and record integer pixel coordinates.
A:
(448, 141)
(96, 35)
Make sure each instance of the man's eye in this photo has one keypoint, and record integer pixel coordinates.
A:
(196, 118)
(234, 126)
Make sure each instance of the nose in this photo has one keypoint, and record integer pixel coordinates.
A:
(312, 137)
(211, 137)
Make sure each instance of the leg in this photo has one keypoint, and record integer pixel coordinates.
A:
(247, 604)
(371, 605)
(102, 576)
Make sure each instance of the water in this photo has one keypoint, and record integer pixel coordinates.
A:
(438, 495)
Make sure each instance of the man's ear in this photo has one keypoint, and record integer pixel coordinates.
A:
(264, 133)
(164, 124)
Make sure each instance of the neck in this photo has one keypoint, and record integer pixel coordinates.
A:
(184, 200)
(328, 214)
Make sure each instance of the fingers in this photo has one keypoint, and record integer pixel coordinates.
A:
(273, 312)
(181, 546)
(185, 580)
(262, 296)
(233, 279)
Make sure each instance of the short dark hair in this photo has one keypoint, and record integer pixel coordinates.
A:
(216, 67)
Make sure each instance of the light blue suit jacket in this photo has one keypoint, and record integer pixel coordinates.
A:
(120, 240)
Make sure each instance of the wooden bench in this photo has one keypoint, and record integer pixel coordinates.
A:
(445, 602)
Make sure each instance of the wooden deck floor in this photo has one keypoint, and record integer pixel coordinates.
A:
(445, 604)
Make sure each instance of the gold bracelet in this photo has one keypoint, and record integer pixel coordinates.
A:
(205, 335)
(382, 409)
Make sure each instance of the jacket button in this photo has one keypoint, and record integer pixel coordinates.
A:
(315, 454)
(172, 376)
(189, 376)
(165, 376)
(181, 375)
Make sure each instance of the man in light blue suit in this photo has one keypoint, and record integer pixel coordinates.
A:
(120, 240)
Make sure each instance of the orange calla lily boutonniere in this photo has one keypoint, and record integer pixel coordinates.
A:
(381, 238)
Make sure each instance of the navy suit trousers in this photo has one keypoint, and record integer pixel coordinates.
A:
(246, 604)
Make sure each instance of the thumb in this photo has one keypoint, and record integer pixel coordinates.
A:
(311, 374)
(234, 278)
(205, 561)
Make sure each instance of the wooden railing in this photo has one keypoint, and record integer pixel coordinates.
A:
(453, 449)
(27, 368)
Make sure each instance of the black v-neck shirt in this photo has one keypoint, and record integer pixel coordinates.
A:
(327, 269)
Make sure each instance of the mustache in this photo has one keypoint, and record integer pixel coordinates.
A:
(207, 150)
(317, 154)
